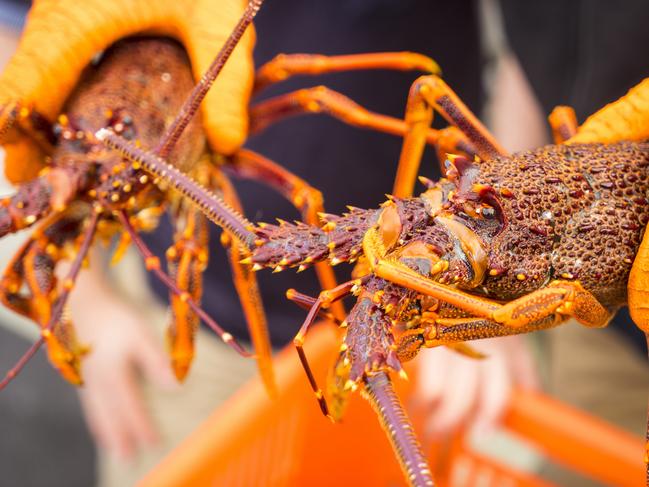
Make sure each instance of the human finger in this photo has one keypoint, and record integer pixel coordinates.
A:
(457, 398)
(495, 386)
(149, 355)
(126, 398)
(105, 424)
(522, 363)
(432, 367)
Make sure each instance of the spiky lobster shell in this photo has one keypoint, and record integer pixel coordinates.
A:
(62, 36)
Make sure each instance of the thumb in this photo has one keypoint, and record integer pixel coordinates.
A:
(225, 109)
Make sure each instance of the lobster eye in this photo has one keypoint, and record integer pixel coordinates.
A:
(488, 212)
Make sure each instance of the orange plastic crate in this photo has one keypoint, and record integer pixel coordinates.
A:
(253, 441)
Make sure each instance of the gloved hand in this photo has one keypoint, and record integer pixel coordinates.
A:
(62, 36)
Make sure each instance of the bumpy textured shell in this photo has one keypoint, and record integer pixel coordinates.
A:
(626, 119)
(62, 36)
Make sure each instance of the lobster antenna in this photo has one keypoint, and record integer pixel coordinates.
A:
(380, 393)
(212, 205)
(194, 100)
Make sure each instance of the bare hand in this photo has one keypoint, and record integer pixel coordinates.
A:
(122, 348)
(458, 390)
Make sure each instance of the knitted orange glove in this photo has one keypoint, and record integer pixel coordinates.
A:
(62, 36)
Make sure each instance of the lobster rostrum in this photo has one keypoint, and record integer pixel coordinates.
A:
(504, 244)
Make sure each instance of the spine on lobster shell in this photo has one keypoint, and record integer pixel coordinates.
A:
(380, 393)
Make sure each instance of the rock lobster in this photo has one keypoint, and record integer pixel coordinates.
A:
(490, 250)
(39, 154)
(504, 244)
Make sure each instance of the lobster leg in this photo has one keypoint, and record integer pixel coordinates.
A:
(33, 268)
(210, 204)
(152, 263)
(563, 298)
(245, 282)
(66, 362)
(304, 197)
(307, 302)
(251, 165)
(321, 99)
(324, 300)
(285, 66)
(563, 122)
(186, 260)
(451, 332)
(29, 287)
(426, 93)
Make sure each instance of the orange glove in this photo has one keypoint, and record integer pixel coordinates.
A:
(62, 36)
(624, 119)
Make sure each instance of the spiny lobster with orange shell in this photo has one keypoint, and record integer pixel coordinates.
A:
(504, 244)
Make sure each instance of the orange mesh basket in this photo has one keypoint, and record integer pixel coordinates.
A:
(253, 441)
